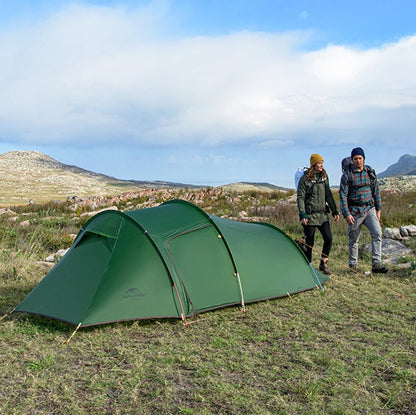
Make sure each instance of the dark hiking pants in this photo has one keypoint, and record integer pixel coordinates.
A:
(309, 231)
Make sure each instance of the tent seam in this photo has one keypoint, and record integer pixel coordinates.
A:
(174, 263)
(227, 247)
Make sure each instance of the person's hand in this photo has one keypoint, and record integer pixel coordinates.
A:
(304, 222)
(336, 218)
(350, 220)
(378, 213)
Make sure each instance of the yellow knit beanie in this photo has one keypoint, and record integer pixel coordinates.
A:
(315, 159)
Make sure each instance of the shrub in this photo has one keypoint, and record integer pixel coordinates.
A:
(399, 208)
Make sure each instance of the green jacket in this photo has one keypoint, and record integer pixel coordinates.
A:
(315, 200)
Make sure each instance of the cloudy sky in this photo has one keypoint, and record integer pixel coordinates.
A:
(208, 91)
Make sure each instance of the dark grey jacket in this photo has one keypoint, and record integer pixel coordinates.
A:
(315, 200)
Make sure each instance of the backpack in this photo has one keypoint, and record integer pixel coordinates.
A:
(347, 166)
(298, 175)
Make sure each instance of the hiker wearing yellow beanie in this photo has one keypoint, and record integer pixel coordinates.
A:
(315, 201)
(315, 159)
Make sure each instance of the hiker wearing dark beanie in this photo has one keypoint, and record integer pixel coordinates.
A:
(360, 203)
(358, 151)
(315, 201)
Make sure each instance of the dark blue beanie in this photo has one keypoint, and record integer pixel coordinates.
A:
(358, 151)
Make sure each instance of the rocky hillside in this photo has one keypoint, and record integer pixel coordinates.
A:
(253, 186)
(400, 176)
(404, 183)
(30, 175)
(33, 176)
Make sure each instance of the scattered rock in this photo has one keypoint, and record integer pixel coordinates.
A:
(392, 233)
(409, 230)
(6, 211)
(46, 264)
(89, 214)
(56, 256)
(392, 250)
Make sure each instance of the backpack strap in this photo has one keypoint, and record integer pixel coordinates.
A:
(371, 175)
(310, 190)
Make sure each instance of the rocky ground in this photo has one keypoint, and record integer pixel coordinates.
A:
(398, 183)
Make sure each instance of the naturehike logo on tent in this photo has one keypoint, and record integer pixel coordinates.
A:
(133, 292)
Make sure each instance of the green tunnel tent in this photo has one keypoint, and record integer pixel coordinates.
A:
(169, 261)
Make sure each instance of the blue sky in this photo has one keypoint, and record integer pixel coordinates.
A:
(208, 92)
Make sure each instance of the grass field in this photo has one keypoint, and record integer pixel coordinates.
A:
(349, 349)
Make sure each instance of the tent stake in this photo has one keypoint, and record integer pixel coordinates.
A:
(185, 322)
(73, 334)
(7, 314)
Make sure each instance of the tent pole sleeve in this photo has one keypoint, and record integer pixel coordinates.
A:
(169, 273)
(241, 292)
(316, 277)
(180, 303)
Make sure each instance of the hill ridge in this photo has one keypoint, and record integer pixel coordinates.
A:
(33, 175)
(30, 174)
(406, 165)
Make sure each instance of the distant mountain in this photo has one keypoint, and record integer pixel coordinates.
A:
(32, 175)
(405, 166)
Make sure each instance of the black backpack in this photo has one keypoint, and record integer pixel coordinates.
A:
(347, 166)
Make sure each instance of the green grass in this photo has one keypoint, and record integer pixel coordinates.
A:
(350, 349)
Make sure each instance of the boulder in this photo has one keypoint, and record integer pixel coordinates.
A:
(391, 249)
(392, 233)
(409, 230)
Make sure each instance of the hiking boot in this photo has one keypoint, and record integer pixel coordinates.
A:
(379, 268)
(353, 267)
(323, 267)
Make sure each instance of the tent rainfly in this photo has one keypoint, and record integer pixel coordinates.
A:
(170, 261)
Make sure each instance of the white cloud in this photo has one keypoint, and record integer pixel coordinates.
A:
(90, 74)
(195, 160)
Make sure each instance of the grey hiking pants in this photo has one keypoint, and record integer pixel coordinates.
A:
(371, 222)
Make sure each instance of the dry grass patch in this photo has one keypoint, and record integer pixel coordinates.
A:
(349, 349)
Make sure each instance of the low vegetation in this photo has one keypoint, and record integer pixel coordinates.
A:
(349, 349)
